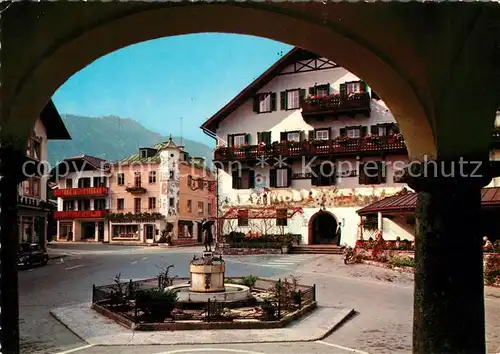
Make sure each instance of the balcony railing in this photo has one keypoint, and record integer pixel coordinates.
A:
(338, 147)
(80, 214)
(336, 104)
(82, 192)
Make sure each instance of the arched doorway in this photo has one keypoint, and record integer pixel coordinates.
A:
(323, 229)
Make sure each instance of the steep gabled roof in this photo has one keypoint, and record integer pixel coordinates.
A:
(291, 57)
(78, 162)
(53, 123)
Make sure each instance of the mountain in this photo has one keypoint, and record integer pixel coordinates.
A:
(112, 138)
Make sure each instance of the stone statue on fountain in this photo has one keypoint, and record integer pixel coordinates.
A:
(206, 225)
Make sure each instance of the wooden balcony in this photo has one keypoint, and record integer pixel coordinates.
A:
(327, 148)
(335, 105)
(81, 192)
(80, 214)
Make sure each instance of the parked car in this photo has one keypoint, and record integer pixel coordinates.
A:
(31, 254)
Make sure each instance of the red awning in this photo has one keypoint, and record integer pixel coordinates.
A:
(490, 197)
(260, 213)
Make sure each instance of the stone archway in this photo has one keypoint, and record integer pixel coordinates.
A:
(389, 45)
(322, 229)
(50, 57)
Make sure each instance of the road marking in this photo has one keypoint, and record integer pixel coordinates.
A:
(341, 347)
(77, 349)
(143, 258)
(74, 267)
(30, 270)
(134, 262)
(218, 350)
(280, 263)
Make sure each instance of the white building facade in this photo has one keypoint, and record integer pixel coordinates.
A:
(34, 209)
(83, 199)
(307, 136)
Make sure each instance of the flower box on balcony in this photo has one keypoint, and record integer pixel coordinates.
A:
(81, 192)
(336, 104)
(136, 190)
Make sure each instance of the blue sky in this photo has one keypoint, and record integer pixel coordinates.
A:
(157, 82)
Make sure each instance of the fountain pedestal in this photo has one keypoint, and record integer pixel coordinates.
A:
(207, 274)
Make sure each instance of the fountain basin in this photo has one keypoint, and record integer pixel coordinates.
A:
(231, 293)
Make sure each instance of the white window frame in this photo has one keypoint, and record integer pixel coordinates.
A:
(264, 102)
(281, 177)
(293, 136)
(353, 132)
(322, 134)
(293, 99)
(382, 130)
(353, 87)
(238, 140)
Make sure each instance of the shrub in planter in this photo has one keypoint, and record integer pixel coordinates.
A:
(249, 281)
(156, 304)
(492, 270)
(401, 261)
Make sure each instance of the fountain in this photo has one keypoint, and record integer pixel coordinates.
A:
(207, 282)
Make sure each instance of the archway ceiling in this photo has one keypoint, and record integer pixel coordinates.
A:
(425, 60)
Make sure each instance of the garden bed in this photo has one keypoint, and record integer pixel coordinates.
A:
(136, 305)
(403, 261)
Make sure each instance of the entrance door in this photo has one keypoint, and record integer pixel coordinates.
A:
(100, 230)
(323, 229)
(88, 230)
(149, 230)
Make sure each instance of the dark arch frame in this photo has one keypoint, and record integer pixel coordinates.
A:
(310, 236)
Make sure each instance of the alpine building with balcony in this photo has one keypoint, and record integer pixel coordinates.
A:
(306, 134)
(83, 198)
(34, 207)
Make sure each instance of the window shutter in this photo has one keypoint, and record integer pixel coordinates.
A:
(283, 99)
(330, 133)
(302, 94)
(343, 131)
(363, 87)
(288, 176)
(343, 89)
(312, 90)
(382, 173)
(395, 128)
(259, 137)
(362, 176)
(236, 180)
(247, 138)
(251, 177)
(267, 138)
(272, 177)
(311, 135)
(328, 89)
(283, 136)
(364, 130)
(302, 135)
(256, 103)
(230, 140)
(315, 178)
(273, 101)
(374, 129)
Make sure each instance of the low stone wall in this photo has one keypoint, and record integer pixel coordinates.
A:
(491, 262)
(246, 251)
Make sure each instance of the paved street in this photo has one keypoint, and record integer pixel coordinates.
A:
(382, 298)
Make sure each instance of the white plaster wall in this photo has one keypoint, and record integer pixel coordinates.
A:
(82, 174)
(244, 120)
(397, 226)
(41, 132)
